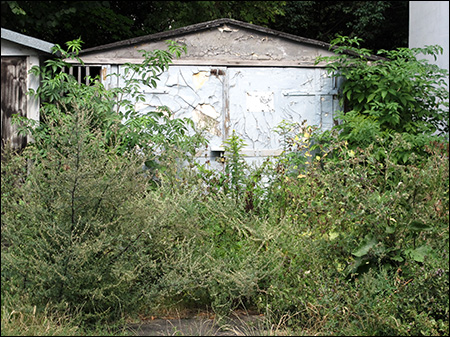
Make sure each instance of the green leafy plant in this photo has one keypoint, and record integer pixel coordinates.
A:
(235, 165)
(391, 92)
(233, 179)
(296, 141)
(402, 92)
(291, 165)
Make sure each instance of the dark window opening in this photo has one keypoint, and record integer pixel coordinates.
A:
(82, 73)
(218, 156)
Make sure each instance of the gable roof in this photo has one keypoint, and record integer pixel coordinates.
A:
(204, 26)
(27, 41)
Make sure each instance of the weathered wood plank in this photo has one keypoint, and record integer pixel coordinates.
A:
(14, 99)
(94, 61)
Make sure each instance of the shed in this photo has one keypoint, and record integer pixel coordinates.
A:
(235, 76)
(19, 53)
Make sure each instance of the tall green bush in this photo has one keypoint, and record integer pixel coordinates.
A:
(75, 227)
(394, 91)
(70, 232)
(402, 92)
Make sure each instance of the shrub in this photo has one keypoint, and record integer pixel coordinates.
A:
(380, 222)
(398, 90)
(71, 234)
(75, 226)
(392, 93)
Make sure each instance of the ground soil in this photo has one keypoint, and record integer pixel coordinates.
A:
(240, 323)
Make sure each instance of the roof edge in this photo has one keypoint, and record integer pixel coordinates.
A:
(202, 26)
(27, 41)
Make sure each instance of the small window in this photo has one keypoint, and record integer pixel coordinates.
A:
(81, 73)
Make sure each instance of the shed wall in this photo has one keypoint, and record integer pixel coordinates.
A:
(17, 60)
(234, 76)
(253, 101)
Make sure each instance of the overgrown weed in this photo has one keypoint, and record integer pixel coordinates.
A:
(345, 240)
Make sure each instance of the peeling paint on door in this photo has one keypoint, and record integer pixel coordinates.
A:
(251, 101)
(200, 79)
(207, 118)
(260, 98)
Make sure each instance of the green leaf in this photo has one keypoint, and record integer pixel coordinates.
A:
(371, 97)
(397, 258)
(418, 226)
(360, 97)
(390, 229)
(333, 235)
(419, 253)
(366, 245)
(349, 95)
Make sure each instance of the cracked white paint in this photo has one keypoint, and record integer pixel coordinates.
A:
(227, 29)
(257, 101)
(251, 101)
(261, 98)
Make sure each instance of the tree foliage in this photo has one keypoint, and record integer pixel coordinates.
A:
(108, 21)
(60, 21)
(382, 24)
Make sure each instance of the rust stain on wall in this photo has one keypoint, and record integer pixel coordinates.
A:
(199, 79)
